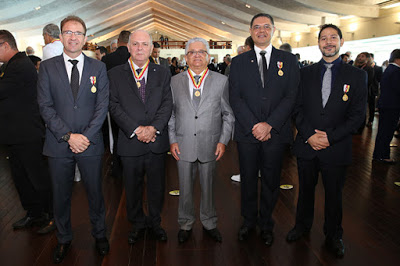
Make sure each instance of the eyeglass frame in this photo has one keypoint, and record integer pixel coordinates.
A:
(76, 33)
(201, 53)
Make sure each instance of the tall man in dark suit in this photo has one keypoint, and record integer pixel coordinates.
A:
(155, 56)
(330, 107)
(73, 100)
(263, 87)
(120, 55)
(22, 132)
(141, 104)
(389, 109)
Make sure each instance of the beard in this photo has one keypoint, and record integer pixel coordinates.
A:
(331, 54)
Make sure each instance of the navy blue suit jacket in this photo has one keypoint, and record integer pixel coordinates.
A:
(339, 119)
(129, 112)
(251, 103)
(390, 88)
(63, 114)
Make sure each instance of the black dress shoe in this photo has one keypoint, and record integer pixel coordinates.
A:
(102, 246)
(244, 232)
(267, 237)
(47, 227)
(60, 252)
(214, 234)
(385, 161)
(26, 222)
(336, 246)
(136, 235)
(183, 235)
(160, 234)
(295, 234)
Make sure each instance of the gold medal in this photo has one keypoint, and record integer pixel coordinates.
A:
(1, 75)
(345, 97)
(280, 73)
(197, 93)
(94, 89)
(138, 84)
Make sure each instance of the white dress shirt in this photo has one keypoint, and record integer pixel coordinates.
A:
(267, 55)
(69, 65)
(191, 86)
(52, 49)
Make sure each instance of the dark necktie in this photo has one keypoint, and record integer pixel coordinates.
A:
(326, 84)
(74, 78)
(264, 68)
(142, 87)
(196, 93)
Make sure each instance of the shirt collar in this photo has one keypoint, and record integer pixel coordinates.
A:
(335, 63)
(268, 49)
(394, 64)
(80, 57)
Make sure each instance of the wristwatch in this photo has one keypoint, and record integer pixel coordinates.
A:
(66, 137)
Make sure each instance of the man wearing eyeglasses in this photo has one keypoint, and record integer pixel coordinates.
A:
(199, 130)
(263, 87)
(141, 105)
(73, 100)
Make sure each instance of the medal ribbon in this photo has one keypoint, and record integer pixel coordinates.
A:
(346, 88)
(55, 40)
(197, 85)
(140, 75)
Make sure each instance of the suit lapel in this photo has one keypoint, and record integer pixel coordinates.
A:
(318, 85)
(131, 80)
(337, 89)
(253, 68)
(151, 79)
(185, 85)
(62, 73)
(206, 88)
(273, 67)
(85, 76)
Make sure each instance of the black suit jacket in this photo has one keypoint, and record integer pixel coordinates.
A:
(19, 111)
(129, 112)
(163, 62)
(339, 119)
(390, 88)
(119, 57)
(251, 103)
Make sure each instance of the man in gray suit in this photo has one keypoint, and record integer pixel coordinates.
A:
(199, 129)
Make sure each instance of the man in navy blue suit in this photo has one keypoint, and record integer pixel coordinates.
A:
(389, 109)
(73, 100)
(330, 107)
(263, 87)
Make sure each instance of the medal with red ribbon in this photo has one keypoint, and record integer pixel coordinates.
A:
(280, 65)
(140, 75)
(346, 89)
(197, 84)
(93, 81)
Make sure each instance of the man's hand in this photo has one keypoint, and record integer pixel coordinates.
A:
(261, 131)
(220, 150)
(146, 134)
(78, 143)
(319, 140)
(174, 148)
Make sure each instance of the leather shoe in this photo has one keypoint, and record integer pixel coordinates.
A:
(25, 222)
(336, 246)
(47, 227)
(183, 235)
(102, 246)
(244, 232)
(60, 252)
(214, 234)
(160, 234)
(267, 237)
(295, 234)
(136, 235)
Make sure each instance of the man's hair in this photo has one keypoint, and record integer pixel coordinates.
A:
(262, 15)
(249, 42)
(197, 39)
(372, 55)
(395, 54)
(286, 47)
(52, 30)
(6, 36)
(343, 55)
(124, 36)
(150, 38)
(73, 18)
(29, 50)
(102, 49)
(339, 32)
(156, 45)
(34, 59)
(367, 55)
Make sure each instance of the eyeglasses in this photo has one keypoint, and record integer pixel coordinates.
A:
(265, 27)
(76, 33)
(201, 52)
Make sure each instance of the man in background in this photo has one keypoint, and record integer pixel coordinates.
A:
(53, 46)
(155, 56)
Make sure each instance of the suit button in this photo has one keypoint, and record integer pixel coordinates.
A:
(195, 117)
(75, 107)
(195, 134)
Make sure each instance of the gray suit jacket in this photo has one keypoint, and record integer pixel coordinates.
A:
(198, 132)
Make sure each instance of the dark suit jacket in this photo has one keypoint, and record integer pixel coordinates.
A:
(251, 103)
(119, 57)
(163, 61)
(19, 112)
(62, 114)
(129, 112)
(339, 119)
(390, 88)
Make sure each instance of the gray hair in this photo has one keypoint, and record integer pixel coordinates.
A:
(52, 30)
(197, 39)
(150, 38)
